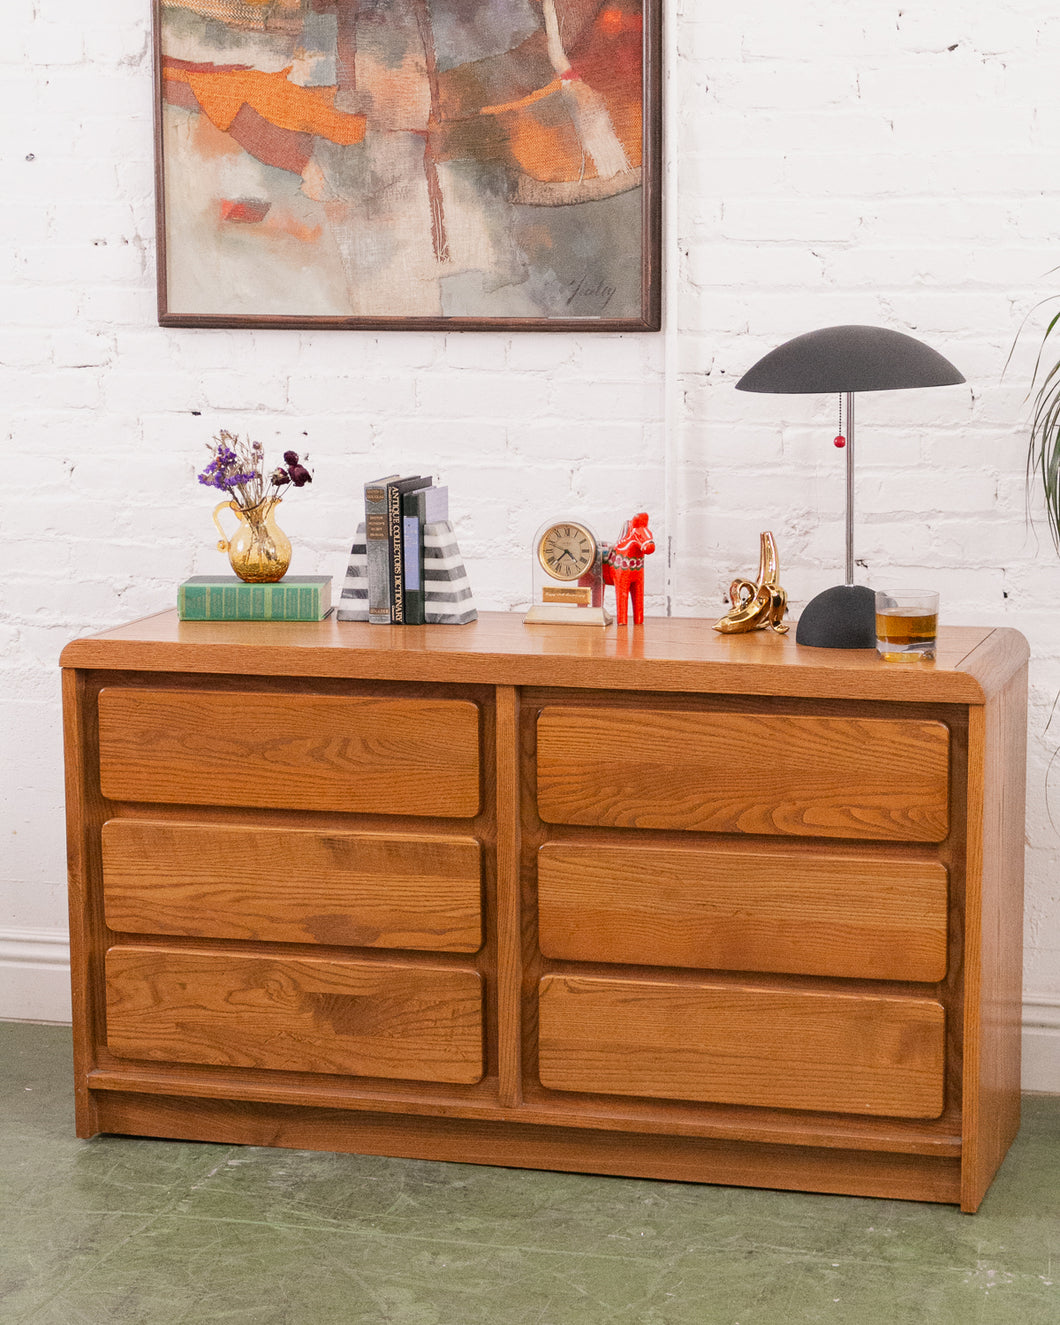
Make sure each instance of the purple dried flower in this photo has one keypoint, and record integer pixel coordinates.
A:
(237, 468)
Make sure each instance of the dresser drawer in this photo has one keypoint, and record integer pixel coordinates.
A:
(805, 776)
(788, 1049)
(298, 1014)
(309, 752)
(813, 912)
(233, 881)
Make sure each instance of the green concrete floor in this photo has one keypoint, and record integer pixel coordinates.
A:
(114, 1231)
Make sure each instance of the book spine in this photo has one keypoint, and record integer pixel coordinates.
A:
(250, 602)
(429, 505)
(395, 557)
(377, 553)
(413, 569)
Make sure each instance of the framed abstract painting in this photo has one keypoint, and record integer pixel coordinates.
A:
(409, 164)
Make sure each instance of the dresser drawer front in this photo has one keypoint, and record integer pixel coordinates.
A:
(836, 913)
(309, 752)
(805, 776)
(297, 1014)
(714, 1043)
(233, 881)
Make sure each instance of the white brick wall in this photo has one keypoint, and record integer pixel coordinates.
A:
(855, 162)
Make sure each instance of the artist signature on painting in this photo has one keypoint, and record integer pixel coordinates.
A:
(596, 294)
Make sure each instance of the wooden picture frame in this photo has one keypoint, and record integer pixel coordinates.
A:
(409, 164)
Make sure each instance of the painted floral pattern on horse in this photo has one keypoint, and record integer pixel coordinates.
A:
(452, 158)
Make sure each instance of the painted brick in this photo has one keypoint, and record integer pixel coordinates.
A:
(823, 166)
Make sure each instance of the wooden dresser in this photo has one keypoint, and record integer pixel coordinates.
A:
(650, 901)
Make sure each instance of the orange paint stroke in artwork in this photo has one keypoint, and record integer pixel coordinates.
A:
(244, 211)
(536, 132)
(522, 102)
(289, 227)
(257, 212)
(613, 21)
(222, 93)
(305, 234)
(553, 153)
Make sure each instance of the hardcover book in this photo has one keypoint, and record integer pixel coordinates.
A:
(376, 542)
(420, 507)
(228, 598)
(396, 491)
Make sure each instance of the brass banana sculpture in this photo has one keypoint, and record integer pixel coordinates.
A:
(756, 606)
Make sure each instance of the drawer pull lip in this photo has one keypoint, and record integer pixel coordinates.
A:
(879, 1055)
(852, 914)
(289, 1012)
(331, 887)
(347, 753)
(775, 774)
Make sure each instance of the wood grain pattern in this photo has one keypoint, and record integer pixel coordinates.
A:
(862, 916)
(546, 1109)
(749, 773)
(678, 654)
(297, 1014)
(739, 1045)
(308, 752)
(509, 909)
(994, 938)
(82, 895)
(509, 1142)
(235, 1040)
(293, 885)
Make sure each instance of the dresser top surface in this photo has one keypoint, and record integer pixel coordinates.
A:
(680, 654)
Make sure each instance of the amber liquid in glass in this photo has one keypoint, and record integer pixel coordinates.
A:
(906, 637)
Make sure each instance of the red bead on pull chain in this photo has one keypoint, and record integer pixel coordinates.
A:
(840, 441)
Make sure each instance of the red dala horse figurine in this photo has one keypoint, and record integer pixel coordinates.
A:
(624, 567)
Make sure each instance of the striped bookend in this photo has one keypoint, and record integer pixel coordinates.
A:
(447, 599)
(353, 601)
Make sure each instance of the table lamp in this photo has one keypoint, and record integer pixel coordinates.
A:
(845, 360)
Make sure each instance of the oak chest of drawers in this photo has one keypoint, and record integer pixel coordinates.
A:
(647, 901)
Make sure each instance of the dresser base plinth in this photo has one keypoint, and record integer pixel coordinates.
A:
(515, 1145)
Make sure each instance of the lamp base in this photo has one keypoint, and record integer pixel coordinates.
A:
(839, 618)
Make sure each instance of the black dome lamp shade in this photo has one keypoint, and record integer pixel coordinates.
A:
(844, 360)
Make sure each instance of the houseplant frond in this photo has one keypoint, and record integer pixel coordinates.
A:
(1043, 450)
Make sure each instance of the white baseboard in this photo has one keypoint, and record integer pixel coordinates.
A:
(35, 986)
(1041, 1044)
(34, 975)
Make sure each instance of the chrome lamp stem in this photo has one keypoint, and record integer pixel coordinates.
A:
(850, 485)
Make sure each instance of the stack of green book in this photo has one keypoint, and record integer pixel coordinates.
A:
(228, 598)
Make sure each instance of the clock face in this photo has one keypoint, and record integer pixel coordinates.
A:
(566, 550)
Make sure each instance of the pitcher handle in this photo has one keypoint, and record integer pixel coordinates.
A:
(223, 541)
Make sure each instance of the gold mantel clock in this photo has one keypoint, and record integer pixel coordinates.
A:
(568, 581)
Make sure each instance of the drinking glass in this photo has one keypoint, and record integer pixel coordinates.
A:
(907, 623)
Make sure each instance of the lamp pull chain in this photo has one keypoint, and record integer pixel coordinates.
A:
(839, 440)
